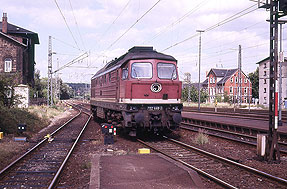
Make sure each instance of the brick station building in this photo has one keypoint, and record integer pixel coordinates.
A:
(226, 81)
(17, 52)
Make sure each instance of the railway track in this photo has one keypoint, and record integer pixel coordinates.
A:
(41, 166)
(223, 171)
(229, 135)
(242, 114)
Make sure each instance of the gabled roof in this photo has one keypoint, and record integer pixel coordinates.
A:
(135, 53)
(263, 60)
(12, 29)
(224, 73)
(10, 38)
(267, 59)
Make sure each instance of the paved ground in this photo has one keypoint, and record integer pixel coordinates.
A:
(141, 171)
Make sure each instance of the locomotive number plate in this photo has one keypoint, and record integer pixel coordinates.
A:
(155, 87)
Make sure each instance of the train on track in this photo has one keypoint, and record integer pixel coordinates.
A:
(139, 91)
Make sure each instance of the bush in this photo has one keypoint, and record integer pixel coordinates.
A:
(201, 138)
(11, 117)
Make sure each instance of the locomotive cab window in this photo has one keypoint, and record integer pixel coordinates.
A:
(125, 73)
(166, 71)
(141, 70)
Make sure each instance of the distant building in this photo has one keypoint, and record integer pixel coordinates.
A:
(220, 81)
(264, 81)
(17, 52)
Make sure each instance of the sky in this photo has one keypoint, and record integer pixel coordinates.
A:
(106, 29)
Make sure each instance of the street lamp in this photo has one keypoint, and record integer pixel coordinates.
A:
(199, 59)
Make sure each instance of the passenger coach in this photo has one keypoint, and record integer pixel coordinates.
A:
(138, 91)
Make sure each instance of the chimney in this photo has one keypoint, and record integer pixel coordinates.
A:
(4, 23)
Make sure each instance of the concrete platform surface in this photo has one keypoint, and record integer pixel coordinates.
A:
(141, 171)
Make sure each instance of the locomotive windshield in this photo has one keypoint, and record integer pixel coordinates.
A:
(141, 70)
(166, 71)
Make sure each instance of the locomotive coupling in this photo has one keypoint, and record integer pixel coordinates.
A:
(139, 118)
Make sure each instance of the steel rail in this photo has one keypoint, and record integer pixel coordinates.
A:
(36, 146)
(262, 173)
(52, 184)
(242, 116)
(221, 182)
(227, 132)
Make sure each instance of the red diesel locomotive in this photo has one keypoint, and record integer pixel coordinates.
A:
(139, 91)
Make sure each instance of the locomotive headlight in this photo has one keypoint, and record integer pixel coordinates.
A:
(175, 108)
(133, 108)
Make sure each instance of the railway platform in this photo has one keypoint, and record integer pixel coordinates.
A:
(242, 122)
(141, 171)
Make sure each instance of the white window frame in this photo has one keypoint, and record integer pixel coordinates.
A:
(230, 89)
(8, 65)
(231, 80)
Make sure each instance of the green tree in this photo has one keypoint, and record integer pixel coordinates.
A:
(254, 78)
(66, 91)
(7, 95)
(40, 87)
(226, 97)
(194, 94)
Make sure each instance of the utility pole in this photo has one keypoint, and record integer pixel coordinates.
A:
(239, 77)
(199, 60)
(50, 82)
(188, 82)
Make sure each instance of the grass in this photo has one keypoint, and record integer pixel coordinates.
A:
(35, 117)
(201, 138)
(86, 165)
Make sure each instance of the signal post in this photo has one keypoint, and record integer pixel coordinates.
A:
(277, 8)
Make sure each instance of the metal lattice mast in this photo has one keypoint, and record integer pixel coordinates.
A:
(273, 147)
(50, 83)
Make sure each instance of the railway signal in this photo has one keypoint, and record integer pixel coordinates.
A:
(277, 8)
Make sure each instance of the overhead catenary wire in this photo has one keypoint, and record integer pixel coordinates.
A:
(186, 15)
(124, 33)
(66, 43)
(77, 25)
(227, 20)
(66, 23)
(114, 21)
(132, 25)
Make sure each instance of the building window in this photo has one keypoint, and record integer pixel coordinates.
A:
(265, 73)
(230, 89)
(236, 79)
(265, 65)
(265, 81)
(231, 80)
(245, 80)
(8, 65)
(245, 90)
(264, 90)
